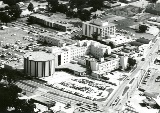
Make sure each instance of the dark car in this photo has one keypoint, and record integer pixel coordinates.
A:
(143, 59)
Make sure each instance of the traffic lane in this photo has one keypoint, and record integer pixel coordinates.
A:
(136, 71)
(115, 95)
(154, 86)
(127, 82)
(132, 88)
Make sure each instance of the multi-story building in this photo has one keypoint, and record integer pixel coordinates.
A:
(100, 68)
(51, 22)
(86, 53)
(39, 64)
(99, 50)
(102, 28)
(66, 54)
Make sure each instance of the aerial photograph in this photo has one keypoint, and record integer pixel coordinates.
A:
(79, 56)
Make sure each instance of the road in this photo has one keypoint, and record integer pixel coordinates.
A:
(141, 65)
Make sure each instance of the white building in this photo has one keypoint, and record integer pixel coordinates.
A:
(124, 61)
(55, 39)
(39, 64)
(118, 40)
(98, 50)
(67, 53)
(100, 68)
(103, 28)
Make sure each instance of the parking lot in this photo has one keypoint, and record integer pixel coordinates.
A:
(83, 87)
(18, 39)
(149, 83)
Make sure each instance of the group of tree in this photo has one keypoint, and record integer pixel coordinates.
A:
(53, 5)
(84, 15)
(12, 13)
(96, 4)
(131, 62)
(143, 28)
(75, 8)
(9, 94)
(154, 1)
(13, 2)
(5, 17)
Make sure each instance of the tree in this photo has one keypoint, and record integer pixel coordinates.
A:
(111, 45)
(62, 8)
(24, 106)
(9, 94)
(143, 28)
(69, 13)
(15, 11)
(5, 18)
(96, 4)
(10, 2)
(30, 20)
(94, 16)
(85, 15)
(95, 35)
(53, 5)
(77, 3)
(131, 62)
(154, 1)
(30, 7)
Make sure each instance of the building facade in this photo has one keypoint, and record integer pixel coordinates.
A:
(66, 54)
(51, 22)
(39, 64)
(103, 29)
(54, 39)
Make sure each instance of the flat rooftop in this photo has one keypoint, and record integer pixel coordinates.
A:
(74, 67)
(52, 19)
(100, 23)
(63, 38)
(39, 56)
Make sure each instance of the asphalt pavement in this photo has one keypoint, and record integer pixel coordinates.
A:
(142, 65)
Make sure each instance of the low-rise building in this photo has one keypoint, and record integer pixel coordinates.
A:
(117, 40)
(55, 39)
(51, 22)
